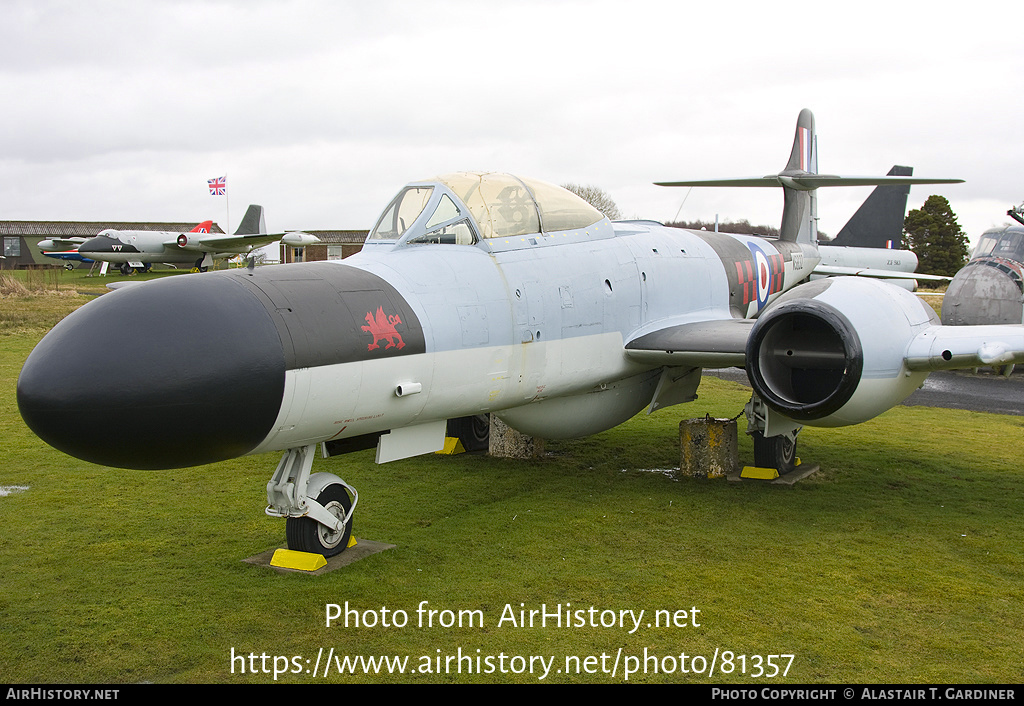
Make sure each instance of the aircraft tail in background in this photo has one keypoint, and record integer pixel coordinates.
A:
(878, 223)
(253, 222)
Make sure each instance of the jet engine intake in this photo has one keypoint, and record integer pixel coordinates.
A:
(831, 352)
(807, 359)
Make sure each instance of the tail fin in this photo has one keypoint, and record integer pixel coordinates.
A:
(203, 227)
(878, 223)
(803, 159)
(800, 179)
(800, 209)
(252, 222)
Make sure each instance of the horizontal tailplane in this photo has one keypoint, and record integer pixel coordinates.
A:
(800, 179)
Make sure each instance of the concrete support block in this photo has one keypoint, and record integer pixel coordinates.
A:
(709, 446)
(506, 442)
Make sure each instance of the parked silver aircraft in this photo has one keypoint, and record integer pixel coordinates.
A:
(990, 288)
(67, 248)
(139, 249)
(485, 293)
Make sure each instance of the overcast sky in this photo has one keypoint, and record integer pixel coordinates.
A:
(321, 110)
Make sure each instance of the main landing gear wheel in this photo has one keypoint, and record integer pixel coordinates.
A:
(474, 432)
(307, 535)
(777, 452)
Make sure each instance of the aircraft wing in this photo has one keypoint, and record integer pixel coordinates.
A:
(838, 270)
(952, 347)
(722, 343)
(218, 242)
(703, 344)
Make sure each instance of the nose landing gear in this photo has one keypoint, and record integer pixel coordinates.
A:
(317, 506)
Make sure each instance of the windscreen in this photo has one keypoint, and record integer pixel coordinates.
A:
(401, 213)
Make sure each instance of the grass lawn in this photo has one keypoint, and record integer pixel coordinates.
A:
(900, 561)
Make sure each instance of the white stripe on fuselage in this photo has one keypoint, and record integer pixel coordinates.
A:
(349, 399)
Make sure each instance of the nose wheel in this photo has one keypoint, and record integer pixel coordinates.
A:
(317, 507)
(308, 535)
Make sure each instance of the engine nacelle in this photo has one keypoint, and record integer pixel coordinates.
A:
(831, 352)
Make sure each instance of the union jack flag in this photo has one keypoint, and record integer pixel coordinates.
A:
(218, 186)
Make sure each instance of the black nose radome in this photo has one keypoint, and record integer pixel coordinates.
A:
(165, 374)
(102, 244)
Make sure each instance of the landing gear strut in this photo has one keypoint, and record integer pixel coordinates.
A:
(777, 451)
(317, 506)
(474, 432)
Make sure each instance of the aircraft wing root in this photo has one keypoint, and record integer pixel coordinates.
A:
(702, 344)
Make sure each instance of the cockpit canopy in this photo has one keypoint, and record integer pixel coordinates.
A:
(465, 207)
(1005, 242)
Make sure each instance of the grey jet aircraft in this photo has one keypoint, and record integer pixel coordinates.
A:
(483, 293)
(139, 249)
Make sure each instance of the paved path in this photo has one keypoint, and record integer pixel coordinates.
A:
(981, 392)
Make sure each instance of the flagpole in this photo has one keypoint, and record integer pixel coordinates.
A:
(227, 205)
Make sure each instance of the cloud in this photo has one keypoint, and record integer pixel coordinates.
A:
(322, 110)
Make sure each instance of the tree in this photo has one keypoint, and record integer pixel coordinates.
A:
(935, 237)
(742, 227)
(597, 198)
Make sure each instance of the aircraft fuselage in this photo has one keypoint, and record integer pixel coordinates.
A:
(128, 246)
(531, 328)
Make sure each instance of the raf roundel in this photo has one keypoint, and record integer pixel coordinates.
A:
(768, 270)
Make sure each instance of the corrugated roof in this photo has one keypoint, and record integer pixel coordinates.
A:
(90, 228)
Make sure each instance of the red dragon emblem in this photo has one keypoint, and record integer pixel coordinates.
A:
(382, 328)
